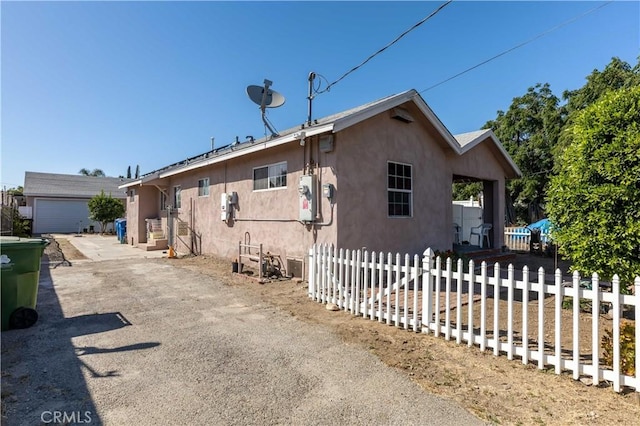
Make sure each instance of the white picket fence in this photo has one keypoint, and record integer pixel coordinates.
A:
(435, 296)
(518, 238)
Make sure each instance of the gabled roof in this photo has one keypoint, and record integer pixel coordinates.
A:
(470, 140)
(71, 186)
(332, 123)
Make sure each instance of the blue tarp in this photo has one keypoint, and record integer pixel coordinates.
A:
(544, 225)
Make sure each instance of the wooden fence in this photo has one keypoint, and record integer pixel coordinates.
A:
(534, 320)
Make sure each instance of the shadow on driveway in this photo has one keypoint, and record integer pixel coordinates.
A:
(42, 369)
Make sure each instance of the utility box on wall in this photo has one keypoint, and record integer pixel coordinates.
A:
(307, 198)
(225, 209)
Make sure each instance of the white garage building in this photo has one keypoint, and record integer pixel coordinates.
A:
(58, 203)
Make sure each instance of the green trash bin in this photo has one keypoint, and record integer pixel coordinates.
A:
(20, 274)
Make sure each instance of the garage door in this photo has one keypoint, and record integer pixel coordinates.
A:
(61, 216)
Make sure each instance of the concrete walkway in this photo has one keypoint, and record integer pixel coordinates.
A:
(107, 247)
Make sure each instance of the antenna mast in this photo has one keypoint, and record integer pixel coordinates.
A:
(312, 77)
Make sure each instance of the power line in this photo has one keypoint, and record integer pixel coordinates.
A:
(520, 45)
(442, 6)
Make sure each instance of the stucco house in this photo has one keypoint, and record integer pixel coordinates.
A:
(58, 203)
(377, 176)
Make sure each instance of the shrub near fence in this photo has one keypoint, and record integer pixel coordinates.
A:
(525, 320)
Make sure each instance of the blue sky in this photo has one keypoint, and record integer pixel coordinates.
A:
(114, 84)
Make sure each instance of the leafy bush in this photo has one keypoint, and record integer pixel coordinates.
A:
(446, 254)
(627, 348)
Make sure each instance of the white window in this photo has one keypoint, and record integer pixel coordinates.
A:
(163, 200)
(177, 202)
(269, 177)
(203, 187)
(399, 189)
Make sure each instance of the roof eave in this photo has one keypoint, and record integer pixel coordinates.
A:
(309, 131)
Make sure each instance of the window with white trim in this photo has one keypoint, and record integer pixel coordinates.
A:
(270, 177)
(203, 187)
(399, 189)
(177, 197)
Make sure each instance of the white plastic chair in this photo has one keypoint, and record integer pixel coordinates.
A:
(482, 232)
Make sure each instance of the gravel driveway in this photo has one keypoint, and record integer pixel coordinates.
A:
(141, 342)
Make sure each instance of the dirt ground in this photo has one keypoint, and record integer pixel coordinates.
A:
(495, 389)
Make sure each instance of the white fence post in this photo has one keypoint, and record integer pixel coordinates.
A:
(541, 294)
(525, 314)
(483, 307)
(471, 284)
(312, 261)
(407, 277)
(616, 332)
(389, 285)
(416, 288)
(374, 267)
(397, 286)
(427, 264)
(558, 321)
(380, 287)
(459, 276)
(576, 324)
(595, 329)
(365, 283)
(496, 308)
(636, 293)
(510, 298)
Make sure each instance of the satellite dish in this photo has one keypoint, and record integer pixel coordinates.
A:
(272, 99)
(266, 98)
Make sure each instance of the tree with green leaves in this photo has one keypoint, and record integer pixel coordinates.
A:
(616, 75)
(105, 209)
(529, 130)
(94, 172)
(594, 200)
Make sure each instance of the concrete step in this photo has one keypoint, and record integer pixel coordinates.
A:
(152, 245)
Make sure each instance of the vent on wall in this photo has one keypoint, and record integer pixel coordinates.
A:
(402, 115)
(294, 268)
(326, 143)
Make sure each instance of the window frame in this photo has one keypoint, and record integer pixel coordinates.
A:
(163, 201)
(204, 188)
(269, 177)
(132, 195)
(177, 196)
(400, 190)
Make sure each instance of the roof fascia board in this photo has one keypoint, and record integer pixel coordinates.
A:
(133, 183)
(70, 197)
(248, 150)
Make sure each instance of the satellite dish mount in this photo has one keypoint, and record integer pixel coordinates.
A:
(266, 98)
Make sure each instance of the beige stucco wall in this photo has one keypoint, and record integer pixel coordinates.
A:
(268, 217)
(363, 152)
(357, 167)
